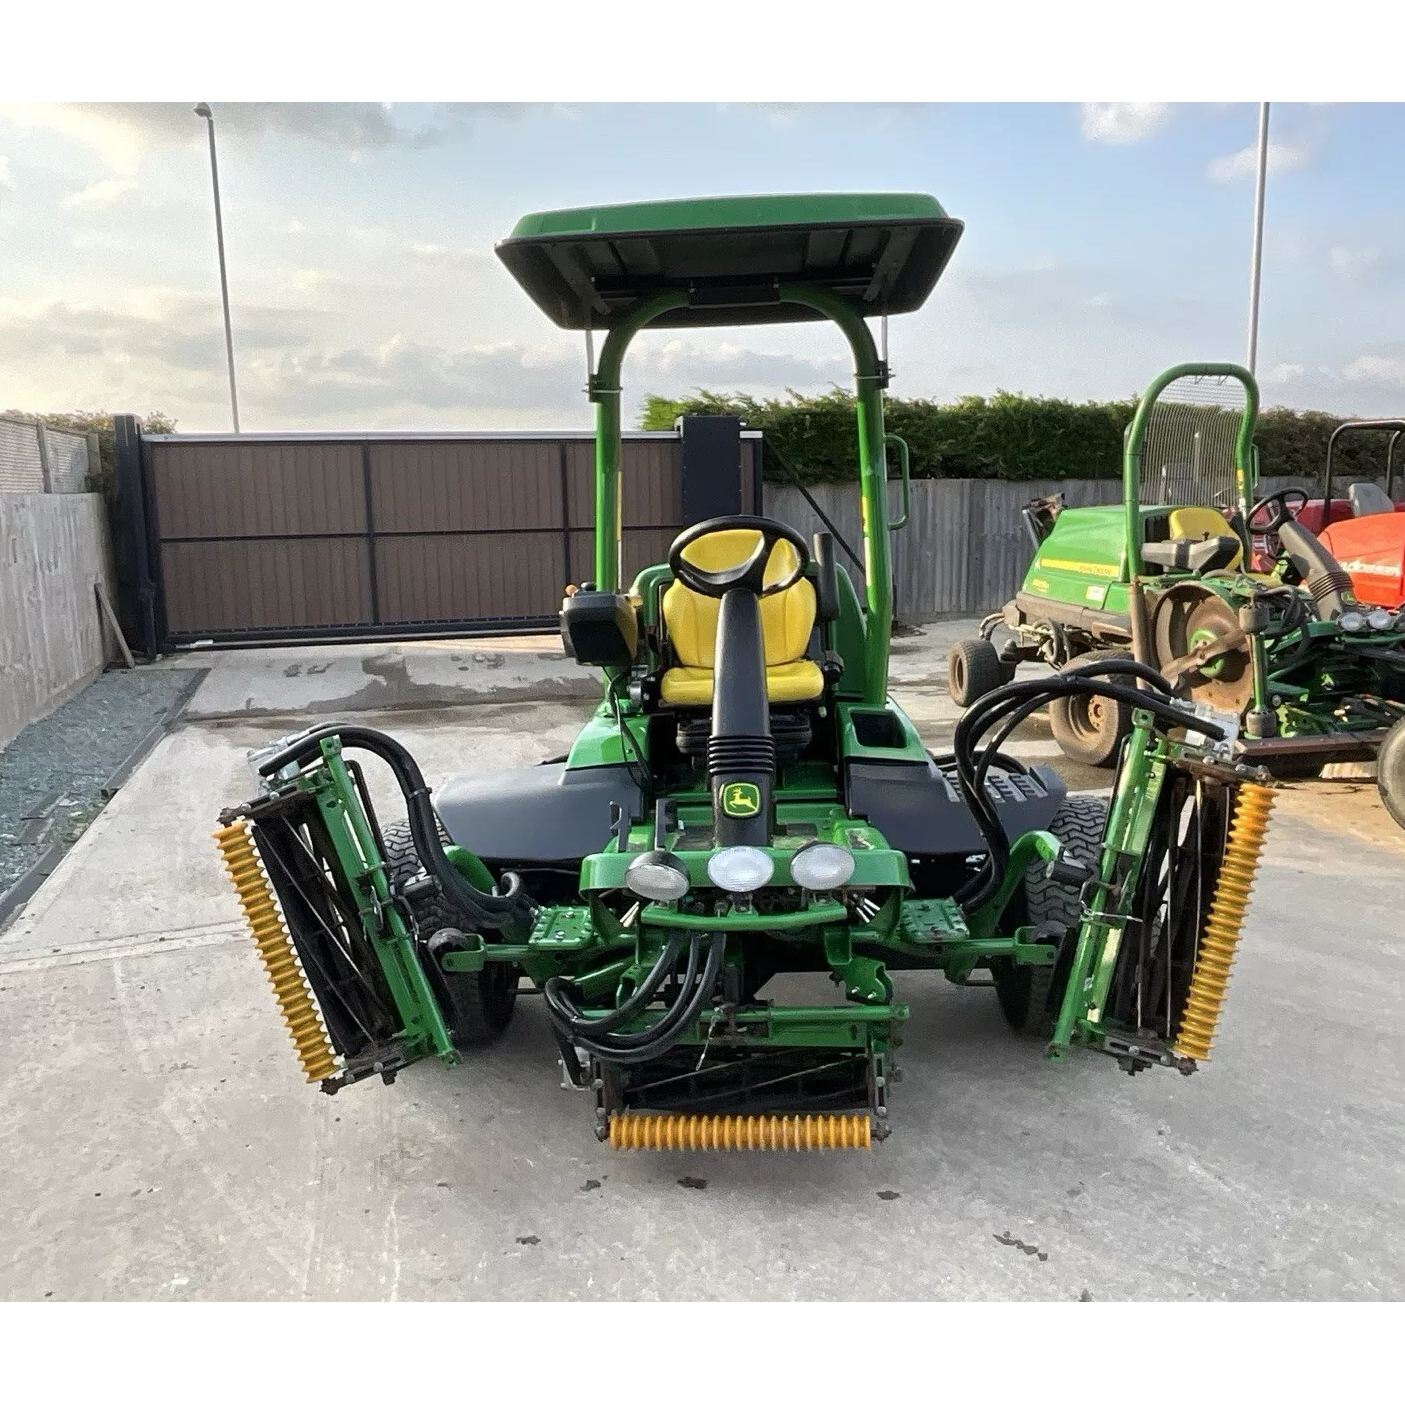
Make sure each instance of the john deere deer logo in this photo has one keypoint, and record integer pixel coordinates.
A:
(741, 799)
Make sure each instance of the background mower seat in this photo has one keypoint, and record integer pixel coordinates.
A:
(1367, 500)
(787, 622)
(1182, 554)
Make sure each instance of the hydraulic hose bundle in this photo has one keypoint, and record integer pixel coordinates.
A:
(600, 1037)
(1002, 710)
(490, 911)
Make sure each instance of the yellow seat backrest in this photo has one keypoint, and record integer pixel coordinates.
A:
(1196, 524)
(786, 619)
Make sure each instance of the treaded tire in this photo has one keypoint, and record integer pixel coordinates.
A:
(973, 669)
(1030, 996)
(478, 1005)
(1390, 773)
(1091, 730)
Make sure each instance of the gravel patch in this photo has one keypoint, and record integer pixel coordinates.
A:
(52, 774)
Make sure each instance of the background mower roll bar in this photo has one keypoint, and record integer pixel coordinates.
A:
(1350, 426)
(1244, 464)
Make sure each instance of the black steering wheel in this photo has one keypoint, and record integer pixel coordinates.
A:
(1282, 513)
(751, 574)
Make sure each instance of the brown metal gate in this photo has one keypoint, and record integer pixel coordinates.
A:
(265, 539)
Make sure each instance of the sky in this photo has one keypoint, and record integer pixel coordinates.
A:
(1103, 242)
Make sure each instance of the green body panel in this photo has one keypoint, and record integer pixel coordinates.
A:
(1082, 559)
(875, 864)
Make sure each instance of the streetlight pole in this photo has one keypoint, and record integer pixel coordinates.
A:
(203, 110)
(1256, 261)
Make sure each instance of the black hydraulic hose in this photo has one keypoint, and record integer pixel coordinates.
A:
(622, 1043)
(489, 910)
(1004, 708)
(569, 1017)
(667, 1032)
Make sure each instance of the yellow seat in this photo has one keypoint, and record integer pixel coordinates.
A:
(1197, 524)
(787, 620)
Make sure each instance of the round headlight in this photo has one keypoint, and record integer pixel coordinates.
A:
(658, 876)
(1353, 621)
(1380, 619)
(740, 869)
(820, 867)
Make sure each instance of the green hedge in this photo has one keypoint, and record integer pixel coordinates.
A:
(1002, 436)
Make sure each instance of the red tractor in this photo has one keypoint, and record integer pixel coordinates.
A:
(1364, 531)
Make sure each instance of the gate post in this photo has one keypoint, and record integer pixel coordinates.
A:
(136, 588)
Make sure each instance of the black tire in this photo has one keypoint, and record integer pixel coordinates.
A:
(477, 1005)
(1030, 996)
(1390, 773)
(973, 669)
(1091, 730)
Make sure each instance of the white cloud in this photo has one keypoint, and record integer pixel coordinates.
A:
(107, 192)
(1390, 369)
(1121, 123)
(295, 227)
(123, 131)
(1241, 165)
(5, 171)
(1283, 372)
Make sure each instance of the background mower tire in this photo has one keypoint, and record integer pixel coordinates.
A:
(973, 669)
(1030, 996)
(1091, 730)
(477, 1005)
(1390, 773)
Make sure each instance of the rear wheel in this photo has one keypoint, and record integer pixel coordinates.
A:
(477, 1005)
(1390, 773)
(1091, 729)
(973, 669)
(1030, 996)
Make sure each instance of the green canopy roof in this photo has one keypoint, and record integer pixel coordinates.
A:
(590, 267)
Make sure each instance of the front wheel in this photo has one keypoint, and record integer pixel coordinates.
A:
(1030, 996)
(973, 669)
(1088, 729)
(477, 1005)
(1390, 773)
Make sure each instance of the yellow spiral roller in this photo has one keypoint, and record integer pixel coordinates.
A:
(1243, 850)
(678, 1132)
(276, 951)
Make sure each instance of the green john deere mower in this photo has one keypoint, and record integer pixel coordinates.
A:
(1302, 670)
(747, 801)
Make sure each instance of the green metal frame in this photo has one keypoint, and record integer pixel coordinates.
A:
(870, 376)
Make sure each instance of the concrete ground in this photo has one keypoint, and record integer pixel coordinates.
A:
(162, 1145)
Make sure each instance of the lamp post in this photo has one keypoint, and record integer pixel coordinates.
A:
(1256, 260)
(203, 110)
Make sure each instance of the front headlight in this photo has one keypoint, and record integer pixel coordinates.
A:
(821, 867)
(658, 876)
(740, 869)
(1353, 621)
(1380, 619)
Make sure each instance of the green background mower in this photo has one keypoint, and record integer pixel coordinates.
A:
(1291, 659)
